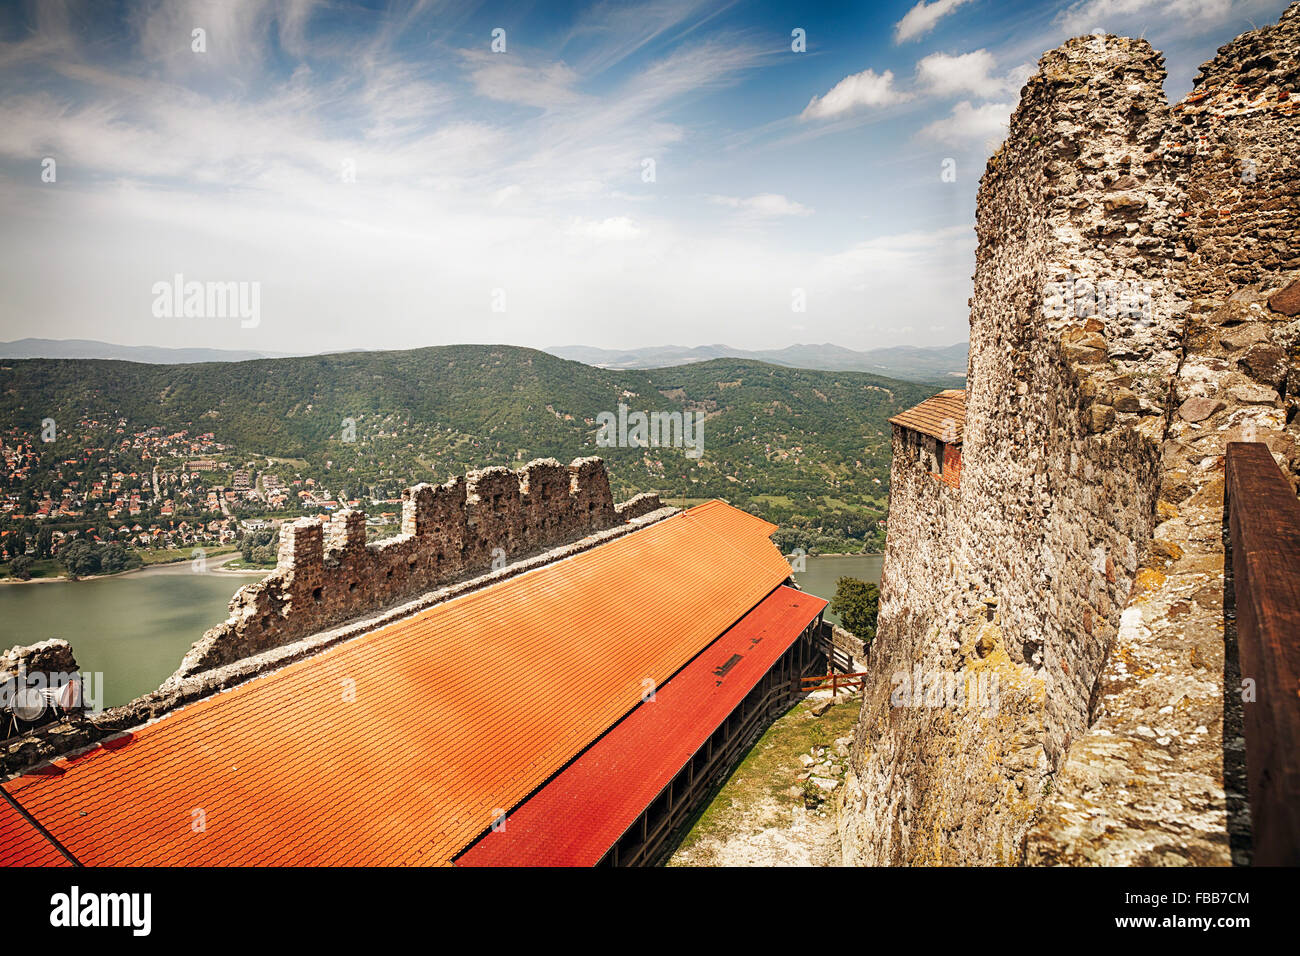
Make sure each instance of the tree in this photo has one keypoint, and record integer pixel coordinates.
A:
(21, 567)
(115, 558)
(80, 558)
(857, 603)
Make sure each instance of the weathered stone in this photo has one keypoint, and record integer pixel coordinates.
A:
(1097, 181)
(1242, 336)
(1287, 299)
(1266, 364)
(822, 706)
(328, 574)
(1253, 394)
(46, 657)
(1126, 400)
(1198, 409)
(1099, 417)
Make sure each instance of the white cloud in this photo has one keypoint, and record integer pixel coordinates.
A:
(902, 250)
(1089, 15)
(763, 205)
(614, 229)
(506, 80)
(921, 19)
(867, 88)
(966, 124)
(166, 166)
(967, 74)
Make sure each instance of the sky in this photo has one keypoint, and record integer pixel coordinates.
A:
(396, 175)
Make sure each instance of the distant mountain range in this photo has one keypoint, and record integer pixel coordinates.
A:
(907, 362)
(910, 362)
(90, 349)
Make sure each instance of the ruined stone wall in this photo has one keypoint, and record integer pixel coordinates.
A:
(1158, 779)
(328, 574)
(1099, 229)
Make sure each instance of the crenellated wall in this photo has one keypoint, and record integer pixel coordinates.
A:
(328, 574)
(1110, 226)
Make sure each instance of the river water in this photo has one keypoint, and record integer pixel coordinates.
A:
(132, 628)
(822, 572)
(135, 628)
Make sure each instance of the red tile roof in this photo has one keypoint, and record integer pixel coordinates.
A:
(21, 844)
(455, 711)
(941, 416)
(583, 811)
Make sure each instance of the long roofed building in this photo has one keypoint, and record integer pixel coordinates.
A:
(569, 714)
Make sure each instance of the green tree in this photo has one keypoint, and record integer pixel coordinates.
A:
(857, 603)
(21, 567)
(80, 558)
(115, 558)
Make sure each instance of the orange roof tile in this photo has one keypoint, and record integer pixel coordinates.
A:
(456, 712)
(21, 844)
(941, 416)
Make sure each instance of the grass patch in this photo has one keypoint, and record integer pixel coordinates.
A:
(768, 770)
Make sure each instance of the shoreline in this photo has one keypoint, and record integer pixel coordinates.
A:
(217, 567)
(848, 554)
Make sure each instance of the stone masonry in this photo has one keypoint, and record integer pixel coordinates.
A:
(1132, 313)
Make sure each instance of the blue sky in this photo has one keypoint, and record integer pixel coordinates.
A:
(391, 181)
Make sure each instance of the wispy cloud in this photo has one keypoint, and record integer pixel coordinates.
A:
(1088, 15)
(968, 124)
(544, 85)
(922, 18)
(763, 206)
(613, 229)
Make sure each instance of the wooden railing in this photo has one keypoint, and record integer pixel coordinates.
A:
(834, 679)
(1262, 515)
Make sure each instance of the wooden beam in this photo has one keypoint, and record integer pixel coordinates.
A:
(1263, 517)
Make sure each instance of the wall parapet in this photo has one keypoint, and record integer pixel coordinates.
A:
(327, 574)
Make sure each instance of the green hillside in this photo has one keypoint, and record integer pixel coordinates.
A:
(803, 448)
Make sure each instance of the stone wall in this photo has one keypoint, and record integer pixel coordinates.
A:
(1158, 779)
(1104, 229)
(328, 574)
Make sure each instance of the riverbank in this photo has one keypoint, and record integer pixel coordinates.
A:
(170, 567)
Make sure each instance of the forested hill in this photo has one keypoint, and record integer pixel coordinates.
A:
(805, 448)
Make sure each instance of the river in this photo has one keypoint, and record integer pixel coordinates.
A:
(135, 628)
(132, 628)
(822, 572)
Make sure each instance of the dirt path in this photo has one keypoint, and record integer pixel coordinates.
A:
(759, 817)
